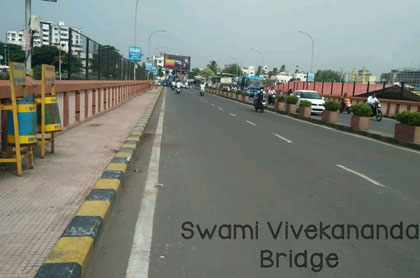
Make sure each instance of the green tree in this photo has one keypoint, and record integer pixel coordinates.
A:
(273, 72)
(214, 66)
(45, 55)
(328, 76)
(233, 69)
(15, 53)
(259, 71)
(194, 72)
(207, 72)
(283, 68)
(160, 72)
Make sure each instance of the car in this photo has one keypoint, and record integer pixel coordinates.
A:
(312, 96)
(165, 83)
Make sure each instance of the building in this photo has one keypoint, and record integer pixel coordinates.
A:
(250, 71)
(410, 77)
(300, 75)
(49, 34)
(363, 76)
(158, 61)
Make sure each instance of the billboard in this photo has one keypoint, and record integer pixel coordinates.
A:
(182, 63)
(148, 66)
(310, 77)
(134, 53)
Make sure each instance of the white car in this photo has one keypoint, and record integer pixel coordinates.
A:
(312, 96)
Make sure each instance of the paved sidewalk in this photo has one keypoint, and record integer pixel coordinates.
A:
(36, 208)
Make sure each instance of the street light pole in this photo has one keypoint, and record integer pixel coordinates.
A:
(313, 47)
(135, 37)
(28, 54)
(262, 57)
(150, 37)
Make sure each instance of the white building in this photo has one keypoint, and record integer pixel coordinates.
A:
(250, 71)
(301, 76)
(158, 61)
(50, 34)
(283, 77)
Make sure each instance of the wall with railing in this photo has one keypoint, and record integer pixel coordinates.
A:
(80, 100)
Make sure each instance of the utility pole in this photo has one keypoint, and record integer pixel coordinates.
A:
(313, 47)
(28, 38)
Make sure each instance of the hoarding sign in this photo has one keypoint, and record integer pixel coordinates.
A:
(134, 53)
(154, 70)
(182, 63)
(149, 66)
(310, 77)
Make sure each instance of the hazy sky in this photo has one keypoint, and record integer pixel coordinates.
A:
(379, 34)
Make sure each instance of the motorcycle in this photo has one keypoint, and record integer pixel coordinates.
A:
(377, 112)
(345, 107)
(178, 90)
(201, 93)
(271, 99)
(259, 103)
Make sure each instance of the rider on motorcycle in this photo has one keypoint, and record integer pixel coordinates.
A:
(373, 101)
(345, 100)
(271, 95)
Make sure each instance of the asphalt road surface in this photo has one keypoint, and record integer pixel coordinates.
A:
(220, 162)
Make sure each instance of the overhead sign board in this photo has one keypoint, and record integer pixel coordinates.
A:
(134, 53)
(310, 77)
(182, 63)
(154, 70)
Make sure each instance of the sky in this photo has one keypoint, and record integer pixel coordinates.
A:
(377, 34)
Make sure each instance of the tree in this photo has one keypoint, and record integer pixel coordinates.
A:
(234, 69)
(207, 72)
(15, 53)
(214, 66)
(259, 71)
(194, 72)
(160, 72)
(275, 71)
(45, 55)
(329, 76)
(283, 68)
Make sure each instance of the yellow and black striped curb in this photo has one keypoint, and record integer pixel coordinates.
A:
(73, 251)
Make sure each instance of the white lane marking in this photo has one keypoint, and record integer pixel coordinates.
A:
(220, 108)
(361, 175)
(138, 265)
(281, 137)
(233, 115)
(206, 101)
(251, 123)
(212, 104)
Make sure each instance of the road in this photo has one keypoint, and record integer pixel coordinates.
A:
(220, 162)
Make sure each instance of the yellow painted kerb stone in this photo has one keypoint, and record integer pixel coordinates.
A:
(123, 154)
(108, 184)
(94, 208)
(137, 133)
(129, 146)
(133, 139)
(117, 167)
(71, 250)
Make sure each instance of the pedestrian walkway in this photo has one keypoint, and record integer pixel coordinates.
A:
(36, 208)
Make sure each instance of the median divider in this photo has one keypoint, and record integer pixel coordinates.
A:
(72, 253)
(372, 134)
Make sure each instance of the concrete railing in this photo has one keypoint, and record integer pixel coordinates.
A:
(80, 100)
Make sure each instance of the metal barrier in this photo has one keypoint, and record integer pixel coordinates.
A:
(89, 60)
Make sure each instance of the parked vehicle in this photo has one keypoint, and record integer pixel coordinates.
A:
(312, 96)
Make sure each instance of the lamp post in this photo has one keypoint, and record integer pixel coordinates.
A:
(135, 23)
(150, 37)
(158, 48)
(313, 47)
(28, 35)
(262, 56)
